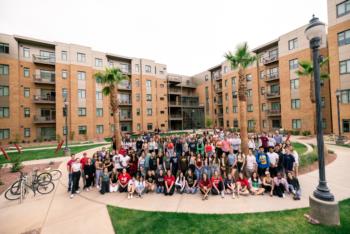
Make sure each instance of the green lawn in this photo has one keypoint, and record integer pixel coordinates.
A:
(44, 153)
(291, 221)
(300, 148)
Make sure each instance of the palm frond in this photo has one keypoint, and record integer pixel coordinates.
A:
(106, 90)
(241, 57)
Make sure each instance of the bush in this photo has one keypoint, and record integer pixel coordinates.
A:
(16, 165)
(294, 132)
(308, 159)
(306, 133)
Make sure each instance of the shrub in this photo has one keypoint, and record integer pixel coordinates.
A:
(16, 165)
(306, 133)
(294, 132)
(308, 159)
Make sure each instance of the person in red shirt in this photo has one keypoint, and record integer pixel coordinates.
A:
(205, 186)
(217, 184)
(242, 185)
(70, 177)
(264, 142)
(169, 180)
(83, 162)
(123, 180)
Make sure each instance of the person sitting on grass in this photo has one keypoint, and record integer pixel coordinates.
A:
(255, 185)
(217, 185)
(180, 183)
(191, 182)
(169, 181)
(150, 181)
(242, 185)
(205, 186)
(123, 179)
(293, 185)
(113, 183)
(105, 181)
(230, 186)
(140, 186)
(279, 185)
(131, 187)
(160, 182)
(267, 182)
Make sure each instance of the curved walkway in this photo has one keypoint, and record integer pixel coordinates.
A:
(87, 213)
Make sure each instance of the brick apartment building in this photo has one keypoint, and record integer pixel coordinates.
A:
(36, 77)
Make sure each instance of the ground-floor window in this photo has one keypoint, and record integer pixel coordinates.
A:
(82, 129)
(4, 133)
(296, 123)
(276, 123)
(149, 126)
(346, 125)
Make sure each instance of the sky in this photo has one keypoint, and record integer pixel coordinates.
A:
(189, 36)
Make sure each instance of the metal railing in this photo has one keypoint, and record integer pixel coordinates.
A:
(125, 118)
(273, 112)
(174, 103)
(270, 59)
(44, 59)
(273, 76)
(175, 116)
(44, 98)
(44, 79)
(175, 90)
(44, 119)
(125, 102)
(272, 94)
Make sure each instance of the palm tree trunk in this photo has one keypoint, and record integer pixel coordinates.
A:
(242, 97)
(115, 109)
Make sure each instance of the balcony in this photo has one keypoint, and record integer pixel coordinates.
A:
(220, 115)
(174, 90)
(175, 79)
(217, 77)
(44, 79)
(48, 60)
(124, 86)
(272, 76)
(273, 112)
(175, 116)
(189, 104)
(126, 71)
(44, 99)
(125, 103)
(270, 59)
(174, 103)
(271, 95)
(125, 118)
(219, 103)
(218, 89)
(44, 119)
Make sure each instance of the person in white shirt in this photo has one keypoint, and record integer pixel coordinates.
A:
(273, 158)
(140, 186)
(131, 187)
(251, 143)
(117, 163)
(236, 143)
(124, 161)
(272, 141)
(76, 173)
(180, 183)
(251, 164)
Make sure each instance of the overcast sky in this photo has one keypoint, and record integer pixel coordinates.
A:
(187, 35)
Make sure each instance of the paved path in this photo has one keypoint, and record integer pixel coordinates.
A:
(87, 213)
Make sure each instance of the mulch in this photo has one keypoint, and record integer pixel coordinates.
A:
(7, 177)
(314, 166)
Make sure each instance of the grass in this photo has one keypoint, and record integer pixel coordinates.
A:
(300, 148)
(289, 221)
(44, 153)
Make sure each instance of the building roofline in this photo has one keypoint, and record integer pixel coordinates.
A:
(265, 46)
(34, 41)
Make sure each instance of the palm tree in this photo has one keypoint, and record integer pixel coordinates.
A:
(307, 69)
(240, 60)
(110, 78)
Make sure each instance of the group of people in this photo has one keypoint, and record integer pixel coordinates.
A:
(210, 163)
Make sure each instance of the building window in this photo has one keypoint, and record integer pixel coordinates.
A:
(148, 83)
(137, 83)
(26, 132)
(343, 8)
(137, 97)
(81, 111)
(276, 106)
(226, 109)
(251, 124)
(226, 96)
(99, 112)
(323, 102)
(264, 124)
(344, 38)
(64, 93)
(225, 69)
(64, 55)
(148, 69)
(345, 96)
(99, 129)
(346, 125)
(138, 127)
(149, 126)
(4, 48)
(26, 112)
(262, 74)
(296, 123)
(162, 112)
(234, 109)
(26, 72)
(293, 44)
(138, 111)
(235, 123)
(4, 91)
(249, 92)
(26, 52)
(233, 80)
(137, 67)
(81, 57)
(249, 77)
(4, 112)
(81, 75)
(98, 62)
(295, 103)
(250, 108)
(82, 129)
(4, 133)
(293, 64)
(262, 90)
(64, 74)
(148, 97)
(294, 84)
(81, 93)
(324, 123)
(4, 70)
(149, 111)
(225, 83)
(344, 67)
(263, 107)
(99, 95)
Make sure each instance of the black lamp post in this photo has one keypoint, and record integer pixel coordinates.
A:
(66, 149)
(314, 32)
(339, 139)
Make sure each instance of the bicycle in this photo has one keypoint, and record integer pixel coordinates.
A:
(55, 173)
(41, 183)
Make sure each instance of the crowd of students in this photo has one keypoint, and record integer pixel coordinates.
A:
(210, 163)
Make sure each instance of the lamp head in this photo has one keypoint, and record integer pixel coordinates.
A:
(315, 29)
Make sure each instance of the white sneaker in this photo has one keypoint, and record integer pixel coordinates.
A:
(128, 196)
(97, 186)
(131, 196)
(87, 190)
(222, 194)
(283, 195)
(233, 196)
(77, 192)
(71, 196)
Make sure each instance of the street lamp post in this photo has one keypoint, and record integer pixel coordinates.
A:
(339, 139)
(66, 148)
(322, 202)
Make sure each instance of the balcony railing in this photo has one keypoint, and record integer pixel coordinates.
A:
(176, 79)
(190, 104)
(219, 102)
(44, 99)
(270, 59)
(42, 79)
(44, 59)
(44, 119)
(125, 118)
(218, 89)
(175, 90)
(175, 103)
(124, 86)
(270, 95)
(125, 102)
(175, 116)
(272, 76)
(126, 71)
(273, 112)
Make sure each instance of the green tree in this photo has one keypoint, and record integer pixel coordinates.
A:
(208, 122)
(307, 70)
(241, 59)
(110, 78)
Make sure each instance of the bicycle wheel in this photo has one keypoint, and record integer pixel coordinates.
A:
(46, 188)
(15, 188)
(56, 174)
(44, 178)
(12, 196)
